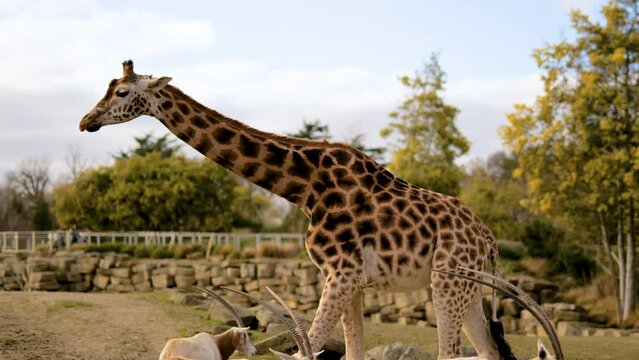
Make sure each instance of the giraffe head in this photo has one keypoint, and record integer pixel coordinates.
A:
(125, 99)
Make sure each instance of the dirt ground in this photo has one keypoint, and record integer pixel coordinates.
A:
(59, 325)
(96, 326)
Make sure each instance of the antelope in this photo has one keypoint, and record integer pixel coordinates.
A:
(204, 346)
(496, 328)
(292, 323)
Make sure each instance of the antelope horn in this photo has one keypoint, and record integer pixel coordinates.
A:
(284, 318)
(520, 297)
(306, 342)
(228, 306)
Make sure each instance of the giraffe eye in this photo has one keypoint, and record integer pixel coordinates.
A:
(122, 93)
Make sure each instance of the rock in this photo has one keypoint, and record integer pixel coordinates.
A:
(122, 272)
(160, 270)
(307, 291)
(184, 281)
(108, 261)
(265, 270)
(162, 281)
(68, 277)
(182, 270)
(146, 267)
(43, 276)
(397, 351)
(570, 328)
(281, 342)
(510, 307)
(276, 328)
(217, 311)
(404, 299)
(203, 281)
(404, 320)
(143, 286)
(85, 265)
(248, 270)
(232, 272)
(220, 281)
(101, 281)
(183, 298)
(139, 277)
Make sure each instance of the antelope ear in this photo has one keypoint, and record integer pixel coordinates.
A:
(157, 84)
(542, 353)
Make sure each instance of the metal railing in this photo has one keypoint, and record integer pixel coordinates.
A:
(29, 241)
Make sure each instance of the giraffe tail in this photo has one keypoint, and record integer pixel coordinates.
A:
(496, 327)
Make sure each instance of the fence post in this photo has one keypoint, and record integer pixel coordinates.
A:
(17, 241)
(33, 241)
(4, 242)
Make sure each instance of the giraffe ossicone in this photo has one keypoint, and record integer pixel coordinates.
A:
(367, 226)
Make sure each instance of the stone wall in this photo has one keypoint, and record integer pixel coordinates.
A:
(298, 281)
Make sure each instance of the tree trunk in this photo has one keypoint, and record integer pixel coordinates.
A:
(621, 258)
(605, 242)
(629, 292)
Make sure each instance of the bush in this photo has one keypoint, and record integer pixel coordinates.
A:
(269, 249)
(161, 253)
(541, 238)
(225, 250)
(248, 252)
(142, 251)
(513, 250)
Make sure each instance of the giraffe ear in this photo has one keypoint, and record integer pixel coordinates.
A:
(157, 84)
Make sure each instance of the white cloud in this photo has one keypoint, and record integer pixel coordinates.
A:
(74, 50)
(60, 65)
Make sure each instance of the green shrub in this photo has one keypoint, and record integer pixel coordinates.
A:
(142, 251)
(513, 250)
(225, 250)
(161, 252)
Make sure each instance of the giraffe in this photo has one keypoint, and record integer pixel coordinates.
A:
(367, 226)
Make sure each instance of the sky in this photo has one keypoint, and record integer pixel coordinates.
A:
(269, 64)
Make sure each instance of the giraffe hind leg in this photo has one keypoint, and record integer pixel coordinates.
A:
(452, 299)
(476, 328)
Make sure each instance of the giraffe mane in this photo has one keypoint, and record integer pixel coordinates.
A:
(255, 132)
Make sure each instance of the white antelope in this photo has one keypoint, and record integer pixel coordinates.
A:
(496, 328)
(292, 323)
(204, 346)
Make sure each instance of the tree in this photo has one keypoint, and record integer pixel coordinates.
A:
(377, 153)
(428, 139)
(577, 146)
(151, 192)
(495, 196)
(313, 130)
(149, 144)
(27, 193)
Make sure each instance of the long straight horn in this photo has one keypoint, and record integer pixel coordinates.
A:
(520, 297)
(228, 306)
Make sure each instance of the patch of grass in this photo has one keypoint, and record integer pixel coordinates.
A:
(68, 304)
(574, 347)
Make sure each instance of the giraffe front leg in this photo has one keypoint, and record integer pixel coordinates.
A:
(335, 295)
(353, 324)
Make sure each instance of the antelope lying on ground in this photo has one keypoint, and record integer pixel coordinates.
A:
(496, 328)
(204, 346)
(292, 323)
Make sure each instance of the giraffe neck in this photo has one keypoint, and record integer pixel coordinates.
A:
(272, 162)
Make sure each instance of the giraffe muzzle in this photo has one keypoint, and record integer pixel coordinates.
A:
(89, 123)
